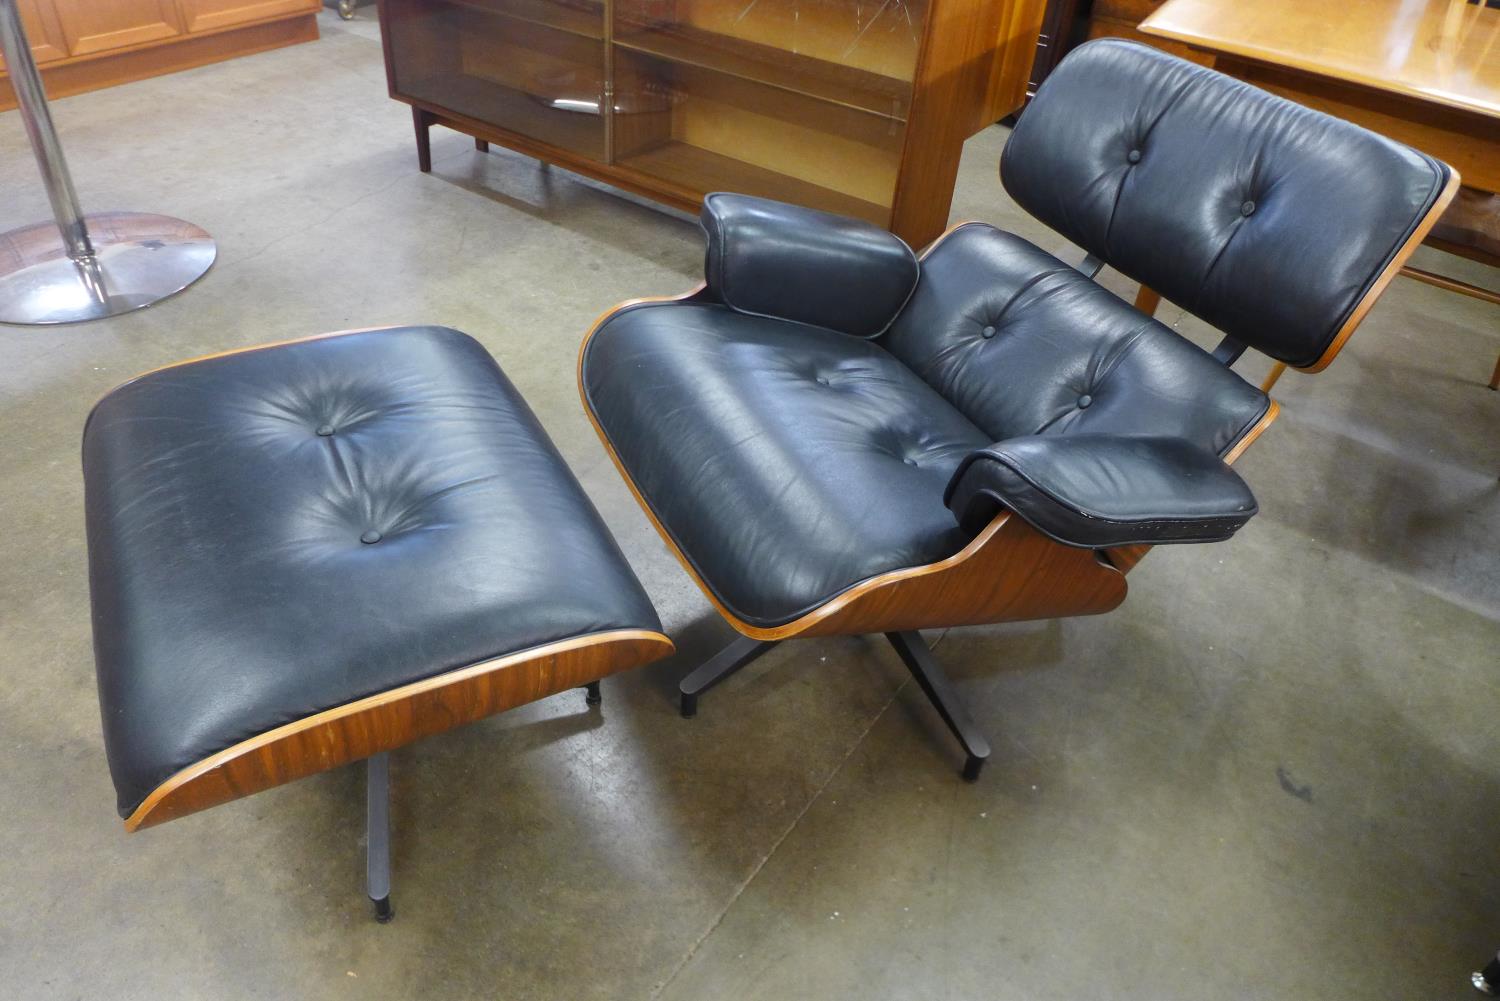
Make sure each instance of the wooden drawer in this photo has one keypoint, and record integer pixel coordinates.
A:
(207, 15)
(42, 30)
(1107, 27)
(100, 25)
(1131, 11)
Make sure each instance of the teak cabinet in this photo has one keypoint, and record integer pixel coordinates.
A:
(86, 44)
(846, 105)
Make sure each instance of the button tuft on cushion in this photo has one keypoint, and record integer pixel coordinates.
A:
(1084, 401)
(1134, 156)
(324, 430)
(1246, 208)
(371, 537)
(987, 332)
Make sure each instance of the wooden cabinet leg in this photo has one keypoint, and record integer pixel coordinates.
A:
(422, 122)
(1146, 301)
(481, 145)
(1495, 379)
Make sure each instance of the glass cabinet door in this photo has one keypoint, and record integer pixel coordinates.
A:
(532, 67)
(803, 100)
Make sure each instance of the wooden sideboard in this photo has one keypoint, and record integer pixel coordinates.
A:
(852, 107)
(86, 44)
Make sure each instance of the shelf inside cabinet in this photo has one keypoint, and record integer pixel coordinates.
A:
(514, 110)
(698, 171)
(576, 18)
(849, 86)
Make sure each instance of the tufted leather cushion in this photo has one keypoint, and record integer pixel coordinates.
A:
(1266, 219)
(786, 462)
(768, 258)
(1099, 490)
(282, 531)
(1023, 344)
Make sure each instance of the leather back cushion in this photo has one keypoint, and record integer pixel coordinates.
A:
(1264, 218)
(1022, 344)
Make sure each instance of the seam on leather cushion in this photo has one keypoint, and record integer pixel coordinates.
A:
(1015, 465)
(1212, 529)
(1247, 427)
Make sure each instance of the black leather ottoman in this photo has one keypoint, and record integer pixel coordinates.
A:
(309, 553)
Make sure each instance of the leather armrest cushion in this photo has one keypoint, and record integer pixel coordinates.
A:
(768, 258)
(1099, 490)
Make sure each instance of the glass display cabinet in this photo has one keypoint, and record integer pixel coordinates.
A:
(853, 106)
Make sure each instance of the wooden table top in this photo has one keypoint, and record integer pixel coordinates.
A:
(1442, 51)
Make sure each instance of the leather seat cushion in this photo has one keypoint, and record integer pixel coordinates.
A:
(227, 500)
(786, 461)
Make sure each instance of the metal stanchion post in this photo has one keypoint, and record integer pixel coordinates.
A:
(83, 267)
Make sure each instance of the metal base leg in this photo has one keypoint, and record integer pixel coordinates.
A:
(939, 691)
(378, 834)
(1487, 981)
(594, 696)
(718, 667)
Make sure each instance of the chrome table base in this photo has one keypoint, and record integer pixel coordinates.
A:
(82, 267)
(137, 259)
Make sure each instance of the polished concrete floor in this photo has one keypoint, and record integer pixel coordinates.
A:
(1274, 773)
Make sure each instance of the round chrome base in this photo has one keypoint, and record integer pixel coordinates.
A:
(139, 259)
(1482, 984)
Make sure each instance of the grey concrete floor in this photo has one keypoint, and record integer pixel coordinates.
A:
(1273, 773)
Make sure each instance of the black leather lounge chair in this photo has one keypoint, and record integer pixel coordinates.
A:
(836, 437)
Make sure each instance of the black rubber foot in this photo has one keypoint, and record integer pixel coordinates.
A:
(593, 697)
(689, 705)
(972, 767)
(1487, 981)
(383, 910)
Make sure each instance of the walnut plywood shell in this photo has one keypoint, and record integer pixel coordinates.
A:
(1388, 274)
(1009, 573)
(392, 719)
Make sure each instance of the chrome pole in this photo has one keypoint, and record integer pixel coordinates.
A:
(68, 275)
(37, 118)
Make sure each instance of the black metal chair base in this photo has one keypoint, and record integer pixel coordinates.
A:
(914, 651)
(924, 667)
(718, 667)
